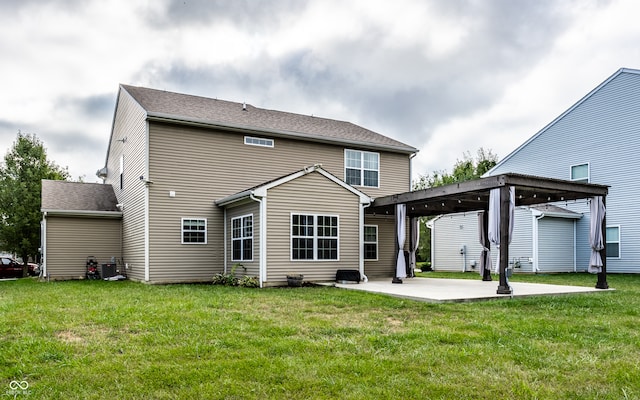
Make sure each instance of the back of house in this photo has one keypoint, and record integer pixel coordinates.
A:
(204, 185)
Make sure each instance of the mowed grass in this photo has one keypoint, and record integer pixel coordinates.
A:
(126, 340)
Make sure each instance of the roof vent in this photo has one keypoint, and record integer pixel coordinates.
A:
(244, 106)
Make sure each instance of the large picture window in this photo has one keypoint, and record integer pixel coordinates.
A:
(194, 230)
(362, 168)
(242, 238)
(314, 237)
(613, 241)
(371, 242)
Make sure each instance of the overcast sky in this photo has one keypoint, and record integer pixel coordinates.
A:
(445, 76)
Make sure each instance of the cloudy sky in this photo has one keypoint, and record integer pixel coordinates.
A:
(445, 76)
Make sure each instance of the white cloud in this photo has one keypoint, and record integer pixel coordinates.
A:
(446, 77)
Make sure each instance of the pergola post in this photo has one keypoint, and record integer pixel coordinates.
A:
(504, 287)
(602, 276)
(486, 274)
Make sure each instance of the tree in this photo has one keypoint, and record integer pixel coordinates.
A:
(21, 174)
(463, 170)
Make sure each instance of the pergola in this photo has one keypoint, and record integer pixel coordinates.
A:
(474, 196)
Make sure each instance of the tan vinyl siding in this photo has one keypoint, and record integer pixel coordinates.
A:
(385, 266)
(250, 268)
(71, 240)
(203, 165)
(310, 194)
(130, 122)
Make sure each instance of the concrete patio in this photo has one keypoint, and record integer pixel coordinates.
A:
(440, 290)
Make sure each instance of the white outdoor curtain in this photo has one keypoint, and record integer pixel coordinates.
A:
(485, 255)
(597, 211)
(401, 212)
(415, 236)
(494, 218)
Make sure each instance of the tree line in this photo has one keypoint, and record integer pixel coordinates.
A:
(21, 173)
(465, 169)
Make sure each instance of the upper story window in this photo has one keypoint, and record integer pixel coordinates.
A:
(362, 168)
(242, 238)
(256, 141)
(613, 241)
(580, 173)
(194, 231)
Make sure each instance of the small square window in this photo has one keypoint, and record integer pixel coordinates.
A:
(580, 173)
(194, 231)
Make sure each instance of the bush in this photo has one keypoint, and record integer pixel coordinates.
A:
(231, 280)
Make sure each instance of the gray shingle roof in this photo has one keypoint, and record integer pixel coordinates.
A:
(185, 107)
(77, 196)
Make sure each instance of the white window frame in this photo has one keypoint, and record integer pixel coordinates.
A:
(242, 237)
(619, 242)
(362, 167)
(315, 237)
(588, 178)
(183, 231)
(365, 242)
(258, 141)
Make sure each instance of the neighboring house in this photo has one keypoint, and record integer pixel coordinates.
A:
(204, 184)
(597, 140)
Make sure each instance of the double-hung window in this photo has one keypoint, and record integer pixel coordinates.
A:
(194, 231)
(371, 242)
(580, 173)
(613, 241)
(314, 237)
(242, 238)
(362, 168)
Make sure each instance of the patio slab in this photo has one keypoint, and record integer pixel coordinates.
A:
(440, 290)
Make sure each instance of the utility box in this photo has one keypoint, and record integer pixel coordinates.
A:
(108, 270)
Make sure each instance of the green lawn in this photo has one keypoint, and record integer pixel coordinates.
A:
(125, 340)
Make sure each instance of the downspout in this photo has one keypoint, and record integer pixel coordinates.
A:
(411, 157)
(44, 244)
(262, 264)
(536, 259)
(361, 240)
(575, 260)
(224, 236)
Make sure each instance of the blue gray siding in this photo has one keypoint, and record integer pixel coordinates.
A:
(602, 129)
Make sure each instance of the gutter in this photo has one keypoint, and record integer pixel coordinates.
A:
(83, 213)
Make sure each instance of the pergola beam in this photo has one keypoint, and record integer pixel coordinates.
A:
(474, 196)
